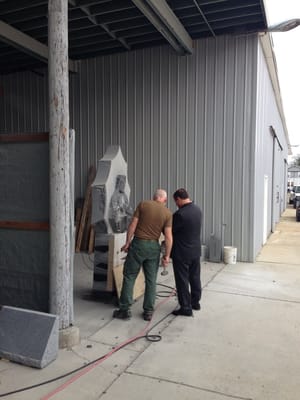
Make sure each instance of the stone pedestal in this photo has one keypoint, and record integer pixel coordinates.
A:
(28, 337)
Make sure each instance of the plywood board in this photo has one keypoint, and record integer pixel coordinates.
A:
(139, 287)
(116, 259)
(115, 256)
(86, 205)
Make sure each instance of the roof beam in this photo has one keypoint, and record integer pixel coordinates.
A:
(27, 44)
(204, 17)
(87, 11)
(163, 18)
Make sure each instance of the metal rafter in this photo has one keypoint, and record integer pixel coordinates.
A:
(94, 20)
(203, 16)
(26, 43)
(163, 18)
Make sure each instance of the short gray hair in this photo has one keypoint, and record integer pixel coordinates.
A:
(159, 194)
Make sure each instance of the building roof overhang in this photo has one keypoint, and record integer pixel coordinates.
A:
(100, 27)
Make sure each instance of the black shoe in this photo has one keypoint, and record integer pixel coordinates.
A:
(181, 311)
(147, 315)
(196, 306)
(122, 314)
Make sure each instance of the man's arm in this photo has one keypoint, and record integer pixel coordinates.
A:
(130, 232)
(169, 242)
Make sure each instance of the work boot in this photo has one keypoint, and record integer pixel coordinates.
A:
(147, 315)
(122, 314)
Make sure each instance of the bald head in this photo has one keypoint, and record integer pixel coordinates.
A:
(160, 195)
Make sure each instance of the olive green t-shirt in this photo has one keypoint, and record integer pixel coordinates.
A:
(153, 217)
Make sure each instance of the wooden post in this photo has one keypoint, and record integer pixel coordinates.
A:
(60, 232)
(72, 222)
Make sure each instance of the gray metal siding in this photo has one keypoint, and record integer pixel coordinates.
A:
(270, 158)
(24, 102)
(181, 122)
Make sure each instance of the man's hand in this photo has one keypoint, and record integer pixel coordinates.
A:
(168, 245)
(125, 247)
(130, 233)
(165, 260)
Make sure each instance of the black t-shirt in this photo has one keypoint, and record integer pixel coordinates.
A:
(187, 223)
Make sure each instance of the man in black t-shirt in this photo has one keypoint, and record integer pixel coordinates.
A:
(186, 252)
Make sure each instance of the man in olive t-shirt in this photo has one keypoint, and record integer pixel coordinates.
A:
(150, 219)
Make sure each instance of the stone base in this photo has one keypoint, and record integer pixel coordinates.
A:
(28, 337)
(69, 337)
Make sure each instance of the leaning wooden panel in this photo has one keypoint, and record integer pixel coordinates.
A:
(139, 287)
(86, 206)
(115, 256)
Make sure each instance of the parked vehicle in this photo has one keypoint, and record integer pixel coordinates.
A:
(296, 196)
(298, 213)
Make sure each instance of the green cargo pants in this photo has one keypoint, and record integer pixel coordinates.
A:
(146, 254)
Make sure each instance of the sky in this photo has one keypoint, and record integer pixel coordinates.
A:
(287, 53)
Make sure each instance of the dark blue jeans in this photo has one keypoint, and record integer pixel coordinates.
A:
(146, 254)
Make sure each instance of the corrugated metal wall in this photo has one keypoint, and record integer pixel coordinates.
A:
(24, 102)
(181, 122)
(270, 156)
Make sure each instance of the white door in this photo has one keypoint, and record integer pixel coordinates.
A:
(265, 227)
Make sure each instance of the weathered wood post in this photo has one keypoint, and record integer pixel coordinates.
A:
(61, 299)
